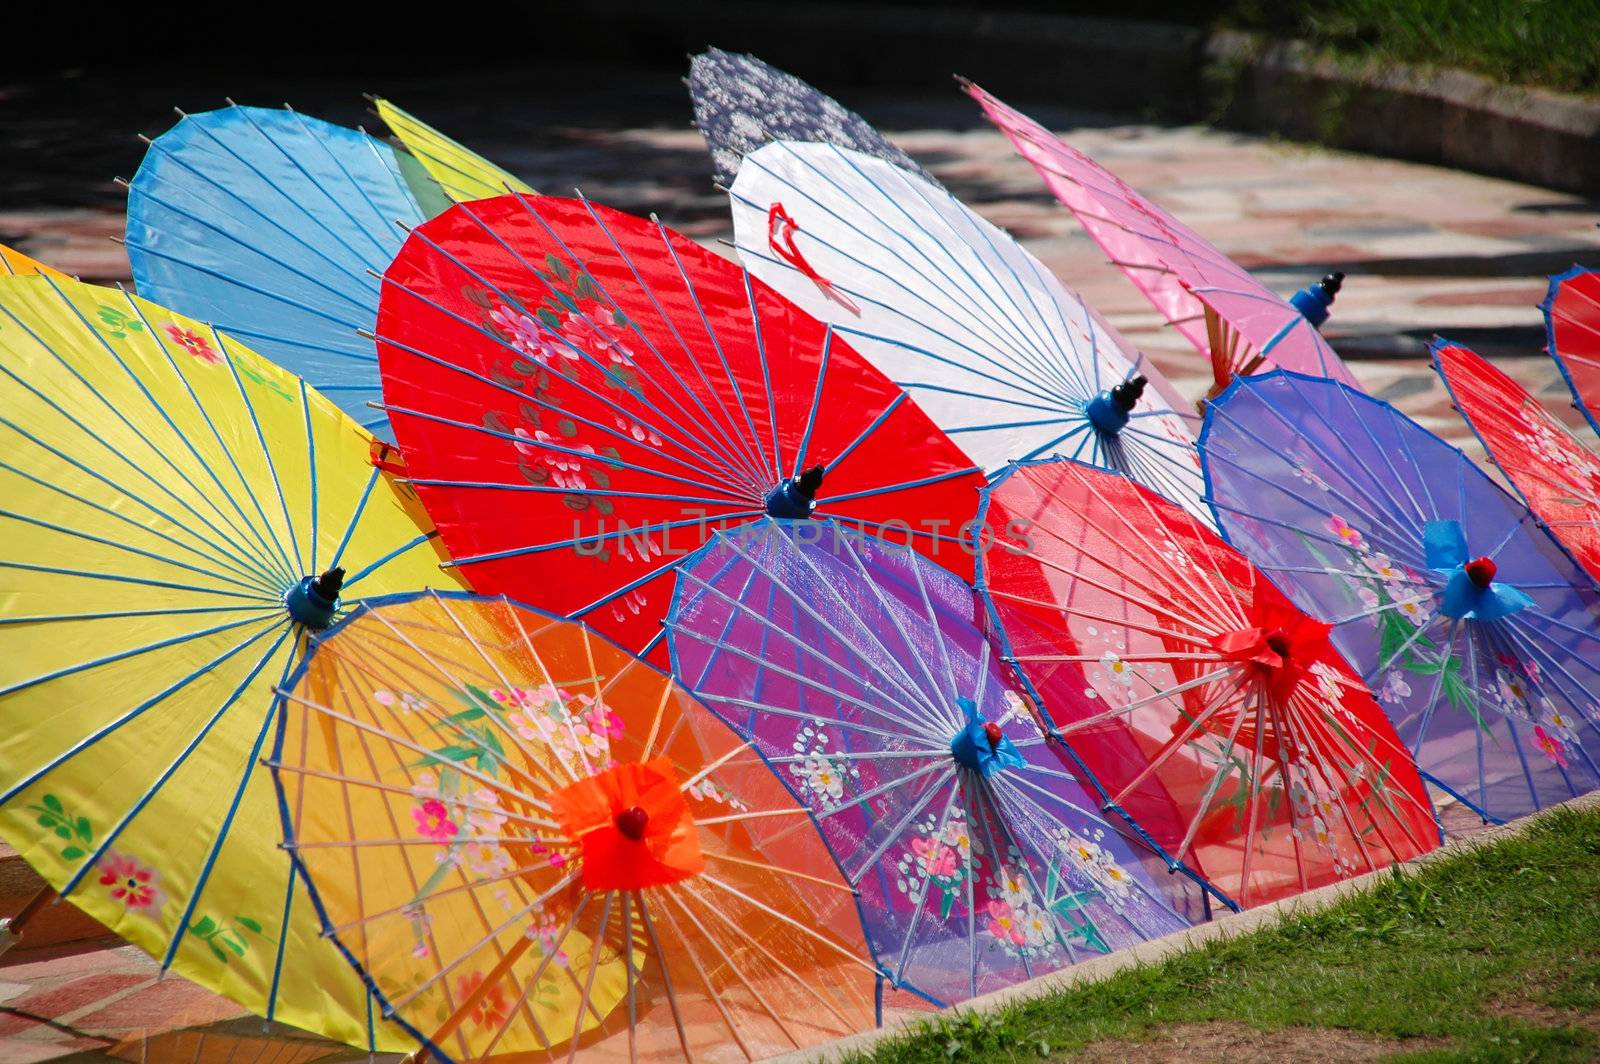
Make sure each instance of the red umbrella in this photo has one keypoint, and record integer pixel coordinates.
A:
(1572, 324)
(1205, 705)
(583, 397)
(1229, 316)
(1557, 475)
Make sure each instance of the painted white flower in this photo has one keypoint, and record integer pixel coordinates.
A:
(1395, 688)
(1413, 609)
(1116, 668)
(823, 778)
(1383, 568)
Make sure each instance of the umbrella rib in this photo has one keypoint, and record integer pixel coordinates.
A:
(666, 978)
(766, 375)
(1041, 342)
(253, 589)
(220, 538)
(1197, 618)
(583, 356)
(264, 530)
(940, 762)
(734, 478)
(908, 688)
(89, 740)
(686, 948)
(945, 284)
(716, 345)
(940, 702)
(905, 485)
(735, 453)
(1368, 515)
(922, 897)
(167, 773)
(382, 223)
(874, 426)
(341, 269)
(808, 931)
(596, 539)
(525, 442)
(266, 454)
(256, 576)
(705, 934)
(283, 194)
(893, 835)
(737, 926)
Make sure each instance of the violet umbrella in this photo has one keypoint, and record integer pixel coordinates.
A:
(856, 669)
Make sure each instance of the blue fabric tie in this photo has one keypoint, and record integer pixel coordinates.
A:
(971, 747)
(1444, 545)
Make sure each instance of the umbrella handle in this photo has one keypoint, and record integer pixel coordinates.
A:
(11, 928)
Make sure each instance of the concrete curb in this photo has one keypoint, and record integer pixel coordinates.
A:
(1156, 950)
(1436, 116)
(1151, 70)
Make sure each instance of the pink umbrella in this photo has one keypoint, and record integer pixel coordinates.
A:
(1227, 314)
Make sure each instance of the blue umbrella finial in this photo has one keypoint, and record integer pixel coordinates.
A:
(314, 600)
(1109, 410)
(796, 496)
(1314, 300)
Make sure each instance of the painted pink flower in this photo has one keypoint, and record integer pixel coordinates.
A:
(1347, 535)
(602, 721)
(604, 340)
(192, 342)
(433, 820)
(1552, 747)
(936, 859)
(1003, 923)
(529, 336)
(135, 885)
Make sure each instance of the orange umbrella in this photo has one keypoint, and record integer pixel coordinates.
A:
(532, 843)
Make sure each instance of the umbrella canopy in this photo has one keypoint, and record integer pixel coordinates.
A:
(462, 173)
(1004, 358)
(1547, 465)
(275, 226)
(535, 845)
(1206, 706)
(178, 513)
(740, 103)
(1229, 316)
(582, 396)
(13, 262)
(856, 668)
(1572, 328)
(1472, 624)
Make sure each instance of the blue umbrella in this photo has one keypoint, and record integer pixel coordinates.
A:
(1472, 624)
(740, 103)
(856, 669)
(275, 226)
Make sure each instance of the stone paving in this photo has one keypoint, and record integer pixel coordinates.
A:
(1427, 250)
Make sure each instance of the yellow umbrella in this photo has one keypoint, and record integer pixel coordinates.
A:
(461, 172)
(13, 261)
(175, 513)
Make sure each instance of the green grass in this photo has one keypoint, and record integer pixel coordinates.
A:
(1447, 953)
(1552, 43)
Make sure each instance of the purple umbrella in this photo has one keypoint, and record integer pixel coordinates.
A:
(856, 669)
(1475, 628)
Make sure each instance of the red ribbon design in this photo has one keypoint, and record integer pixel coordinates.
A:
(781, 230)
